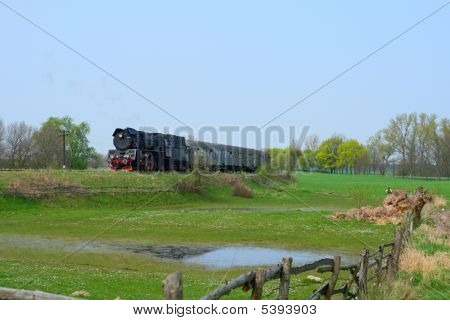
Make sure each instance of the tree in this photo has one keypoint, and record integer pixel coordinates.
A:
(399, 134)
(441, 149)
(18, 144)
(293, 154)
(2, 141)
(348, 153)
(327, 154)
(79, 152)
(307, 160)
(278, 158)
(312, 142)
(379, 152)
(47, 150)
(98, 161)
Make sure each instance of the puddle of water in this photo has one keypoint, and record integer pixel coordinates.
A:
(228, 257)
(206, 256)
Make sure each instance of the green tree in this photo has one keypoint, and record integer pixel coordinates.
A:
(349, 152)
(327, 154)
(79, 152)
(278, 158)
(307, 160)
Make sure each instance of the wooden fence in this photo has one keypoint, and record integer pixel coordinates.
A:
(376, 266)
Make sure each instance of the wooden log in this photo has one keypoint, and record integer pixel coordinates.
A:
(285, 278)
(353, 277)
(273, 273)
(361, 289)
(341, 289)
(379, 271)
(173, 287)
(334, 277)
(329, 269)
(233, 284)
(311, 266)
(320, 291)
(18, 294)
(395, 256)
(258, 284)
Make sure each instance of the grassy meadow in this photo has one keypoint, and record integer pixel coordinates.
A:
(280, 214)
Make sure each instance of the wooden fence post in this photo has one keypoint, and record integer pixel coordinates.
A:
(361, 289)
(258, 284)
(334, 277)
(173, 287)
(285, 278)
(352, 278)
(380, 264)
(395, 255)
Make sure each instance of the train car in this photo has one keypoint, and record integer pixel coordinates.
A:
(144, 151)
(221, 157)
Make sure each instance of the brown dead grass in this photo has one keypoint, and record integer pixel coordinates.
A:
(36, 185)
(439, 232)
(394, 290)
(241, 190)
(413, 260)
(392, 210)
(438, 202)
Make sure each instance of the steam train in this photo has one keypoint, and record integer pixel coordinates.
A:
(144, 151)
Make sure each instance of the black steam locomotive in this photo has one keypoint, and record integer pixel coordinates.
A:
(144, 151)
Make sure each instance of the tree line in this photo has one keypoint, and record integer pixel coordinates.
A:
(24, 146)
(410, 145)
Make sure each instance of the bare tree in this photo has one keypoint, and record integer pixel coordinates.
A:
(379, 152)
(19, 144)
(312, 142)
(398, 134)
(2, 140)
(441, 150)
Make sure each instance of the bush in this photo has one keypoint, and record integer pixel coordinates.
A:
(241, 190)
(191, 183)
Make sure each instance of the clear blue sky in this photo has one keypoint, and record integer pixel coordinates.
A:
(224, 63)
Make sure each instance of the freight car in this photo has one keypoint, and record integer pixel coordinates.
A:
(144, 151)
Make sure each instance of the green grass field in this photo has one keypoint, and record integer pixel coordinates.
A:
(292, 215)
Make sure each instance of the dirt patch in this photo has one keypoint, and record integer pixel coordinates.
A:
(171, 251)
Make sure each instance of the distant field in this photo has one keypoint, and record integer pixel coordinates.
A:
(286, 215)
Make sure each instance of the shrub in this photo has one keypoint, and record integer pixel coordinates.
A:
(241, 190)
(191, 183)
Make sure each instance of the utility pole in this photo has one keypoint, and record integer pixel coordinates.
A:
(64, 133)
